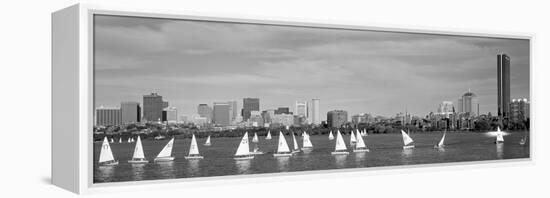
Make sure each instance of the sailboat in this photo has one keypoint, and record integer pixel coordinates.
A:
(139, 157)
(268, 137)
(208, 143)
(306, 143)
(352, 140)
(407, 141)
(441, 143)
(255, 138)
(166, 152)
(129, 140)
(256, 150)
(119, 140)
(243, 151)
(500, 137)
(296, 148)
(330, 136)
(282, 148)
(360, 146)
(193, 150)
(364, 132)
(340, 148)
(106, 155)
(112, 140)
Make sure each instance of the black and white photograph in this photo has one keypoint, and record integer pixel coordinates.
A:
(182, 98)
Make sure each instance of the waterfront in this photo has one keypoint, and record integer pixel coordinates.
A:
(385, 150)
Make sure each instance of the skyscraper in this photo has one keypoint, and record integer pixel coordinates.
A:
(205, 111)
(519, 110)
(221, 114)
(301, 109)
(171, 114)
(503, 85)
(131, 112)
(315, 114)
(469, 103)
(337, 118)
(152, 107)
(234, 109)
(108, 116)
(445, 108)
(250, 104)
(282, 110)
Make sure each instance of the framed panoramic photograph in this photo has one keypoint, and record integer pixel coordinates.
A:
(143, 96)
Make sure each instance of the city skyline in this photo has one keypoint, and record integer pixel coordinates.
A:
(381, 73)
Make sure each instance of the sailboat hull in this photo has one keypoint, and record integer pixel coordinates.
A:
(361, 150)
(164, 159)
(194, 157)
(282, 154)
(257, 153)
(408, 147)
(244, 157)
(207, 144)
(138, 161)
(110, 163)
(439, 147)
(339, 153)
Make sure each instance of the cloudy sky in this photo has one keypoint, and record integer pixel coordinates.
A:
(383, 73)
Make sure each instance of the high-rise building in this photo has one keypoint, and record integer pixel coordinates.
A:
(267, 115)
(171, 114)
(301, 109)
(221, 114)
(283, 119)
(519, 110)
(503, 85)
(152, 107)
(315, 114)
(445, 108)
(359, 118)
(205, 111)
(283, 110)
(250, 104)
(131, 112)
(469, 104)
(234, 109)
(337, 118)
(165, 104)
(256, 119)
(108, 116)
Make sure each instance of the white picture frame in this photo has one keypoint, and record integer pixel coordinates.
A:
(72, 99)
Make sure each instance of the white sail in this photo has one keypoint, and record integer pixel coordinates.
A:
(129, 140)
(243, 148)
(208, 141)
(340, 144)
(306, 141)
(112, 140)
(442, 141)
(283, 146)
(268, 137)
(406, 139)
(193, 149)
(352, 137)
(255, 138)
(138, 150)
(167, 150)
(360, 142)
(330, 136)
(295, 142)
(106, 153)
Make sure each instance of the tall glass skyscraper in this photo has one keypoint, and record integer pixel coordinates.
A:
(152, 107)
(315, 114)
(131, 112)
(503, 85)
(250, 104)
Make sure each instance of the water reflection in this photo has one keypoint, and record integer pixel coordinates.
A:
(406, 155)
(106, 171)
(138, 170)
(282, 163)
(340, 160)
(166, 169)
(243, 166)
(500, 151)
(360, 159)
(193, 167)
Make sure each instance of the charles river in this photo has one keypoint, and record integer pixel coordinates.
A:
(385, 150)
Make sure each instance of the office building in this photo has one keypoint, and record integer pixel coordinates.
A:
(337, 118)
(131, 112)
(222, 114)
(519, 110)
(446, 108)
(503, 85)
(106, 116)
(234, 109)
(301, 109)
(315, 113)
(283, 119)
(469, 104)
(171, 114)
(205, 111)
(152, 107)
(250, 104)
(283, 110)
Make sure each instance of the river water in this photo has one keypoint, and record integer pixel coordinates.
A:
(385, 150)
